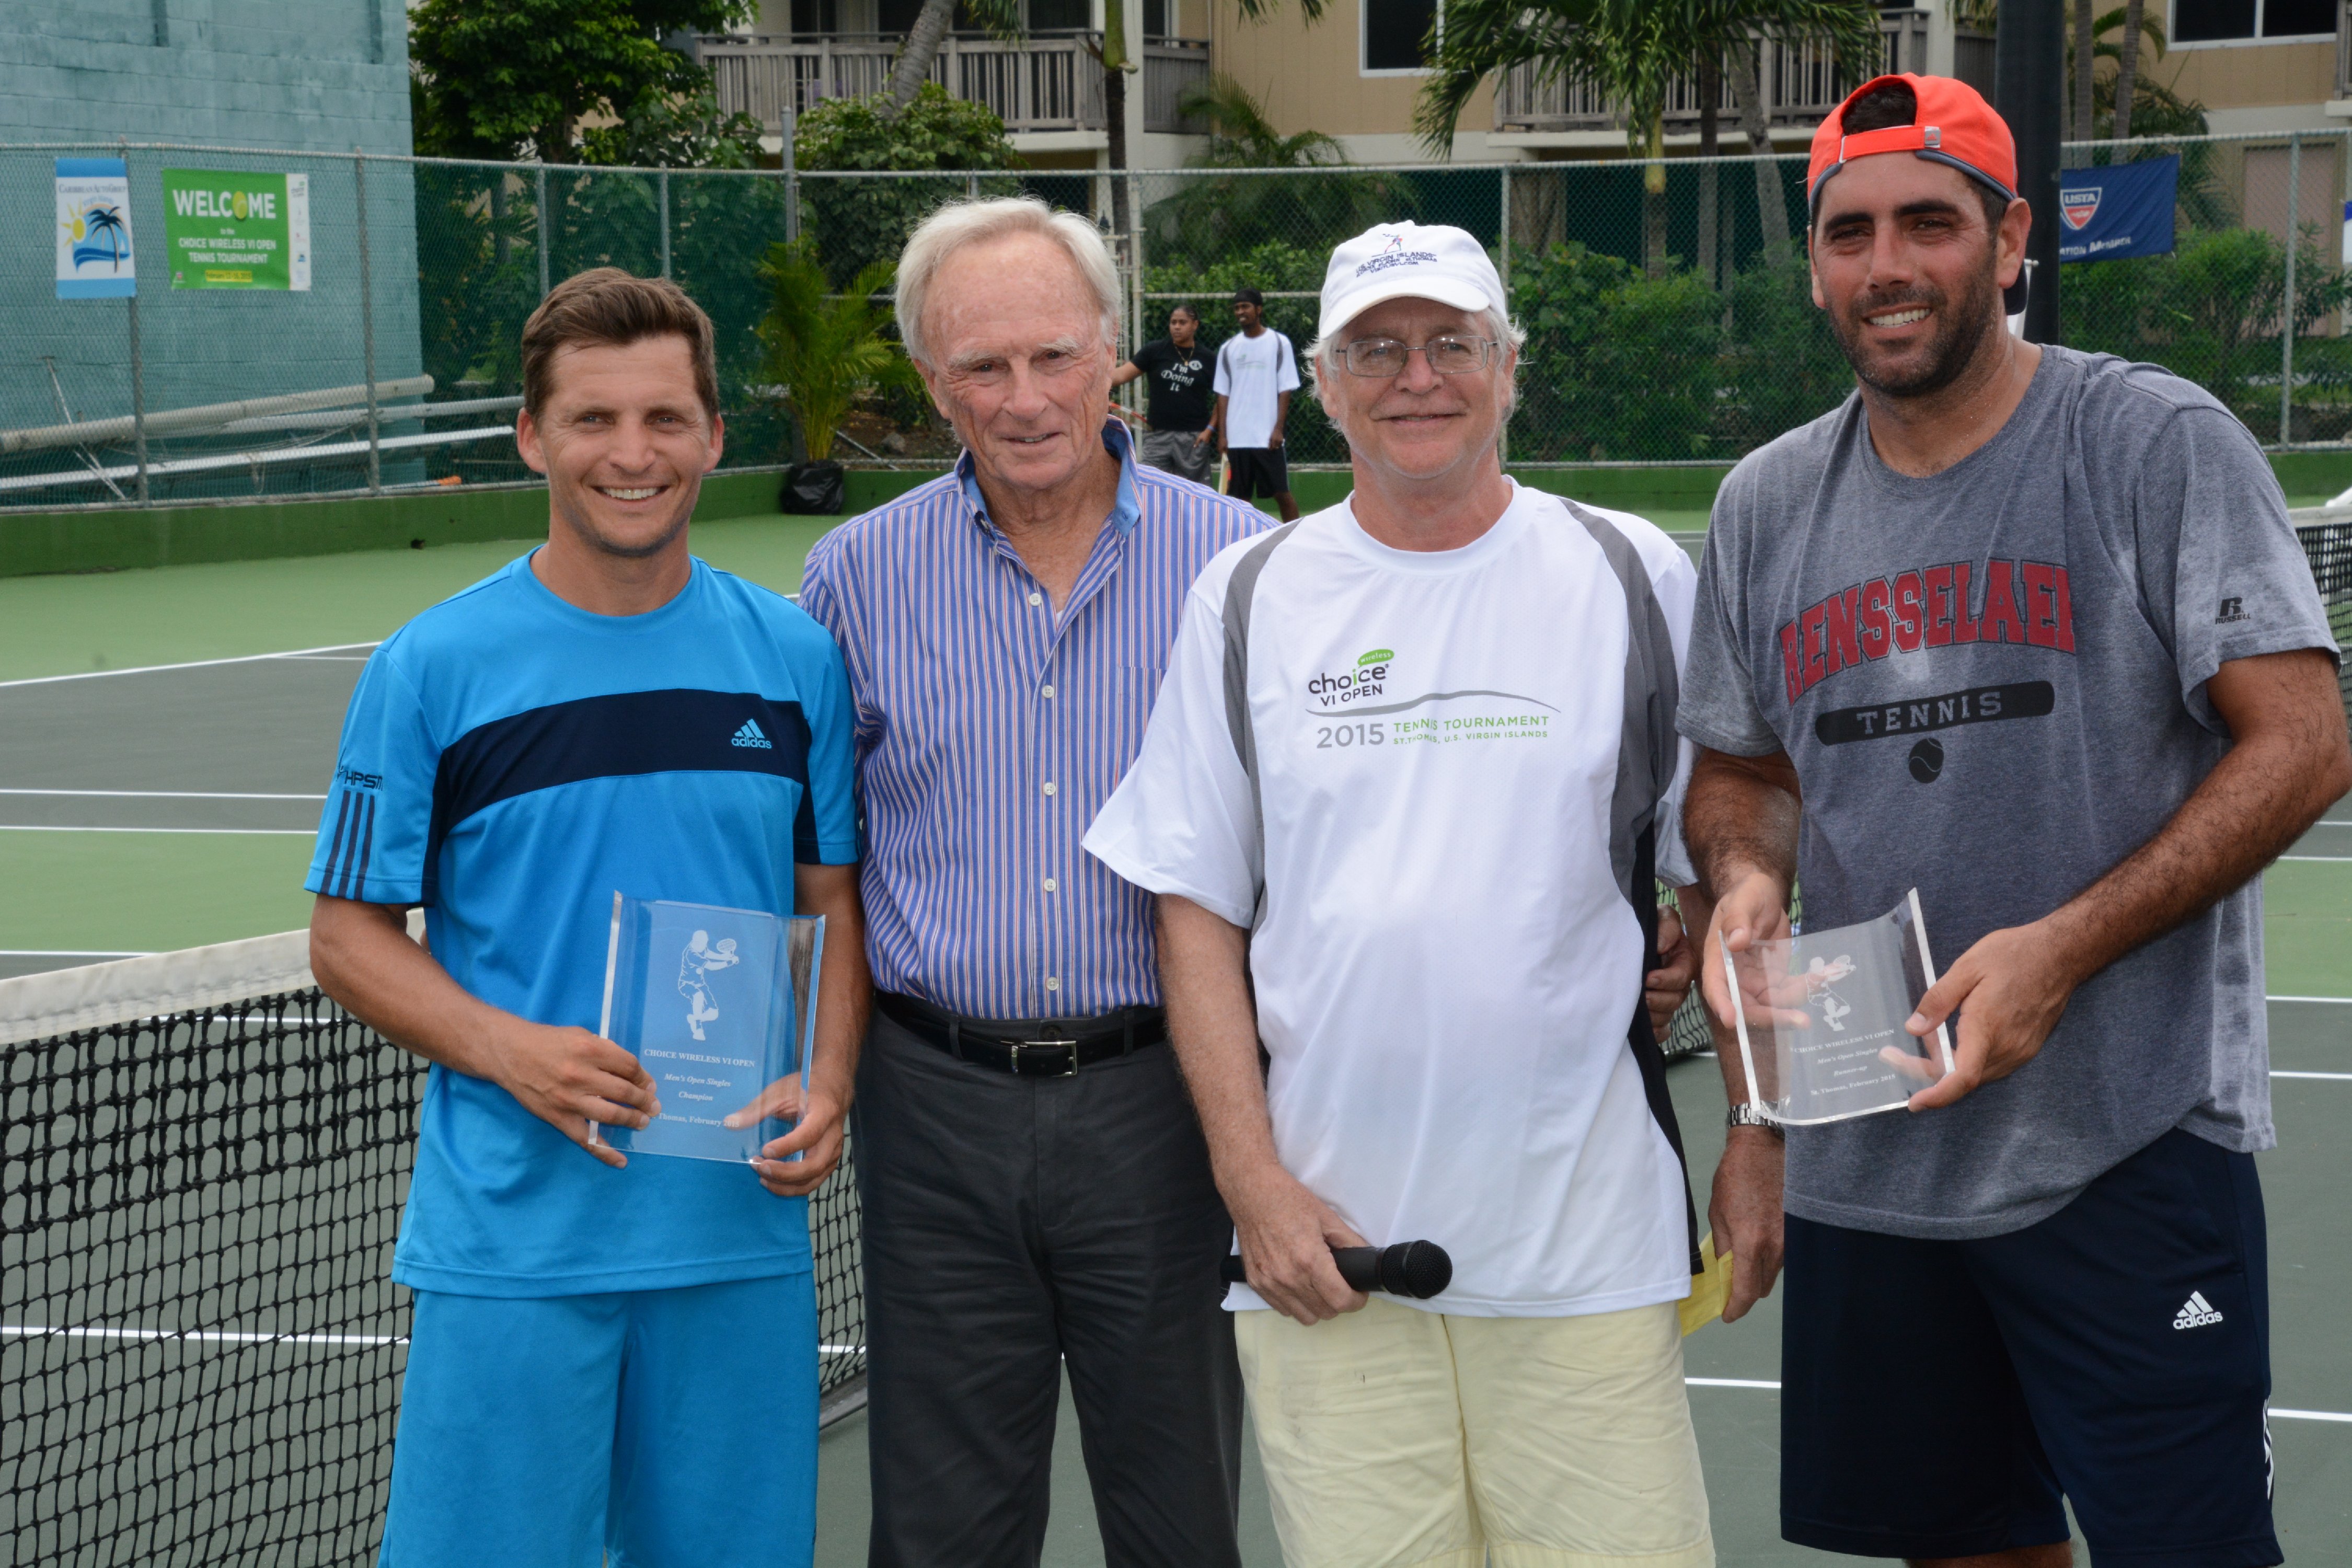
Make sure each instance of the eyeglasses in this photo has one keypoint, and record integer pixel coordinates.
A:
(1383, 358)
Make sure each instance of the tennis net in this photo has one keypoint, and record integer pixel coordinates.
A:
(200, 1348)
(2327, 545)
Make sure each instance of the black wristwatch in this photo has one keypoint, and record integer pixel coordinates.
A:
(1745, 1115)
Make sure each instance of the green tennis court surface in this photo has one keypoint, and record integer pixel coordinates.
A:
(169, 734)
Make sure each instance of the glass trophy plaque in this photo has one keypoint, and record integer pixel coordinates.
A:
(721, 1006)
(1819, 1018)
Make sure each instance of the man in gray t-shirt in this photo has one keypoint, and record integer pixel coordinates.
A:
(2028, 630)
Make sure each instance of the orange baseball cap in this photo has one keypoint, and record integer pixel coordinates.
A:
(1954, 125)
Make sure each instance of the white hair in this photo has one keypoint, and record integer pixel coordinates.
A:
(960, 223)
(1323, 357)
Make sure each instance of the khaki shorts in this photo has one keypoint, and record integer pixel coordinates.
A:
(1395, 1437)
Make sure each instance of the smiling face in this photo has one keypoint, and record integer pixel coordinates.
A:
(1910, 271)
(623, 440)
(1023, 366)
(1250, 316)
(1419, 426)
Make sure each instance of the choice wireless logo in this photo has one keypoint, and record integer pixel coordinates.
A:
(1366, 679)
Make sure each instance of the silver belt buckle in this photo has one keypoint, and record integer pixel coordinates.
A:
(1069, 1046)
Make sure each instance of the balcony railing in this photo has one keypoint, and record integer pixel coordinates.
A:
(1801, 84)
(1046, 81)
(1172, 67)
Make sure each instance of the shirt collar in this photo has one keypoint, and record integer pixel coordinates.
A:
(1126, 511)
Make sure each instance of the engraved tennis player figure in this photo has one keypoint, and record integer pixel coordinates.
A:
(1819, 975)
(694, 967)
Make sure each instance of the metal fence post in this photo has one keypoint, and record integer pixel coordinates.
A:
(665, 221)
(792, 178)
(1503, 437)
(138, 369)
(1135, 261)
(2286, 311)
(367, 328)
(545, 228)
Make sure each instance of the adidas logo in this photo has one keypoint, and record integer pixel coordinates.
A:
(2196, 1313)
(750, 736)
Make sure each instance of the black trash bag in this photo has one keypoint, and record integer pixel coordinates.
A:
(812, 488)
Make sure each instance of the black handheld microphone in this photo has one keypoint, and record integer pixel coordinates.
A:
(1416, 1269)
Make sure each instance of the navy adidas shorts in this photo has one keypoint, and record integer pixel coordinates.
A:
(1940, 1398)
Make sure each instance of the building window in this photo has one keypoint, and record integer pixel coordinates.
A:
(1393, 31)
(2240, 21)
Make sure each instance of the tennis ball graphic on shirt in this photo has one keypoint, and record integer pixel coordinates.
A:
(1927, 760)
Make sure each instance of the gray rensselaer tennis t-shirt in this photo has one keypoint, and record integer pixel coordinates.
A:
(1991, 683)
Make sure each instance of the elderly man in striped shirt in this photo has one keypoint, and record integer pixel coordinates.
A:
(1036, 1190)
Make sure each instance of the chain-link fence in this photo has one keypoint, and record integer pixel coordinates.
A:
(1667, 305)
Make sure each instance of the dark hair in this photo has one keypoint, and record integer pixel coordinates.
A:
(609, 306)
(1249, 297)
(1188, 311)
(1892, 103)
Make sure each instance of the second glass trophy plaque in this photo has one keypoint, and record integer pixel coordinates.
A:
(721, 1006)
(1819, 1018)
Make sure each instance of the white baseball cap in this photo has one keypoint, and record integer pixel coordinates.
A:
(1408, 261)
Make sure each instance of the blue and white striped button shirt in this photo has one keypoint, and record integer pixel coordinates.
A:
(991, 731)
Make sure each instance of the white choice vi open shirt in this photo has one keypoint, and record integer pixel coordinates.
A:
(1446, 962)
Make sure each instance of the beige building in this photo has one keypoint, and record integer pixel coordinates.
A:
(2257, 66)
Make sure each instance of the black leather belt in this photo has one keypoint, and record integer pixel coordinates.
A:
(1043, 1047)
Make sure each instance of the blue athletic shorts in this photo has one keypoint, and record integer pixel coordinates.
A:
(1940, 1398)
(667, 1428)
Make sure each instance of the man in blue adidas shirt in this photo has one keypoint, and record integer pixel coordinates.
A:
(612, 1360)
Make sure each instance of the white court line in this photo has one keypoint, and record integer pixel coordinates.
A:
(2275, 1072)
(248, 831)
(159, 795)
(2331, 859)
(2336, 1001)
(68, 953)
(192, 664)
(1774, 1386)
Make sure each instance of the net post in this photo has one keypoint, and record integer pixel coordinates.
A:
(138, 368)
(367, 327)
(664, 183)
(544, 229)
(2286, 310)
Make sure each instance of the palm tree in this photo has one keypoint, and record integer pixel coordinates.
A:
(1223, 216)
(824, 349)
(1631, 51)
(913, 65)
(2127, 68)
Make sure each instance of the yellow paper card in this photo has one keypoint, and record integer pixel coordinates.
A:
(1708, 1287)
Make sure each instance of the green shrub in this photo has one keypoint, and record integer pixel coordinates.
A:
(1618, 365)
(857, 223)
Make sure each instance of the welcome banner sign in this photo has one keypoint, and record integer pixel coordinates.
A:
(233, 228)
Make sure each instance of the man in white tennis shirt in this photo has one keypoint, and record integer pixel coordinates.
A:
(1410, 774)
